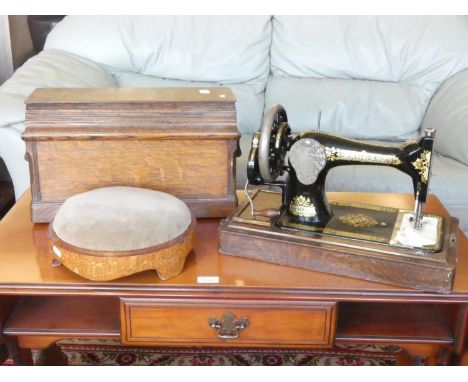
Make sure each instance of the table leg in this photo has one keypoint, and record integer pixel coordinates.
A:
(423, 354)
(52, 356)
(461, 359)
(21, 356)
(4, 353)
(446, 357)
(461, 343)
(7, 304)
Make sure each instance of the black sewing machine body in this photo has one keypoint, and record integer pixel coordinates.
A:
(311, 155)
(411, 158)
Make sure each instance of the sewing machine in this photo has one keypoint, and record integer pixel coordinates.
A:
(311, 155)
(300, 227)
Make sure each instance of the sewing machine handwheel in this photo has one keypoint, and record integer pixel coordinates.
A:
(272, 145)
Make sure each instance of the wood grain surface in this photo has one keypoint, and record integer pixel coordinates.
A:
(425, 324)
(147, 164)
(25, 265)
(125, 95)
(175, 140)
(159, 322)
(241, 235)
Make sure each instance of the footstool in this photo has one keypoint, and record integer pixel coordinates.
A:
(113, 232)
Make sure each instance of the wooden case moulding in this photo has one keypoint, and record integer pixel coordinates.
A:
(182, 141)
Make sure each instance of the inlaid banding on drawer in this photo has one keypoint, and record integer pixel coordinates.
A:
(187, 322)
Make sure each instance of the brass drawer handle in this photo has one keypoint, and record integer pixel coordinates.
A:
(228, 326)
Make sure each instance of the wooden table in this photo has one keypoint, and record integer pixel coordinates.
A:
(282, 307)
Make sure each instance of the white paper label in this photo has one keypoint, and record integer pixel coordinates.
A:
(208, 279)
(204, 91)
(56, 251)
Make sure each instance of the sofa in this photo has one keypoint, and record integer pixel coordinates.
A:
(374, 78)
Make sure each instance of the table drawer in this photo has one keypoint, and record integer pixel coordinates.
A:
(227, 323)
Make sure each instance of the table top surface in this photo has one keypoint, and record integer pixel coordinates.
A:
(25, 266)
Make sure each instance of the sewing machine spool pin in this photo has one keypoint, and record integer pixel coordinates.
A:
(318, 120)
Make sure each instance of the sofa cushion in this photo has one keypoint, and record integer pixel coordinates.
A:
(249, 97)
(222, 49)
(353, 108)
(47, 69)
(56, 69)
(448, 114)
(417, 52)
(50, 68)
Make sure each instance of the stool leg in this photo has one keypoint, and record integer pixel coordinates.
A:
(171, 268)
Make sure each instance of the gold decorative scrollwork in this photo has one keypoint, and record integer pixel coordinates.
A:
(358, 220)
(302, 206)
(363, 156)
(422, 165)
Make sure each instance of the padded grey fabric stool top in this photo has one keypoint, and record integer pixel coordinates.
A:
(116, 219)
(114, 232)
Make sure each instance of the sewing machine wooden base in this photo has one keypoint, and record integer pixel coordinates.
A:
(259, 239)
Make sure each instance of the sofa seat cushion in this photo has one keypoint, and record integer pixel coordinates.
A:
(249, 97)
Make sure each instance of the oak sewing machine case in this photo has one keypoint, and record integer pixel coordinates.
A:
(182, 141)
(299, 227)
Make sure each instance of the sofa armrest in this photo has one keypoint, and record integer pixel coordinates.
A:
(448, 114)
(12, 109)
(50, 68)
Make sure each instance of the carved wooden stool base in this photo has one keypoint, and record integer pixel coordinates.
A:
(167, 259)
